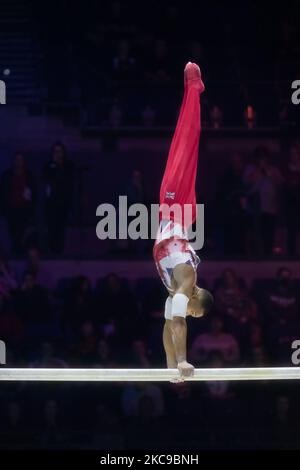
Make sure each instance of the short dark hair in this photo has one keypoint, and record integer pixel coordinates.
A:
(207, 300)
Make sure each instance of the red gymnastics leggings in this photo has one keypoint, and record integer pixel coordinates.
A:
(178, 184)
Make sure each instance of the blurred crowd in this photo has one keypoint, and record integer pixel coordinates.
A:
(119, 324)
(253, 213)
(123, 64)
(19, 198)
(254, 197)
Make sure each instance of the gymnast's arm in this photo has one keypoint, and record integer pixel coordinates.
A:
(169, 346)
(185, 279)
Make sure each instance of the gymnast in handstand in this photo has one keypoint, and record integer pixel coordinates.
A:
(174, 256)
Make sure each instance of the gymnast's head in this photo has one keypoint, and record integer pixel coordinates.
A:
(200, 303)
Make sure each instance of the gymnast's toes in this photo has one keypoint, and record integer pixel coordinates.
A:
(192, 76)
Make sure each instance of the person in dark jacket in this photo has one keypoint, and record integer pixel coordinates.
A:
(17, 197)
(59, 174)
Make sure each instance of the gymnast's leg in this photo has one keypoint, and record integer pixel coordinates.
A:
(178, 184)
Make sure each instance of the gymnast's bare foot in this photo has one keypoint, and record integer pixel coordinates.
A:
(192, 76)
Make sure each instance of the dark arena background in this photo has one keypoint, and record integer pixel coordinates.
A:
(99, 85)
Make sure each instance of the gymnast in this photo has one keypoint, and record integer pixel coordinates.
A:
(175, 258)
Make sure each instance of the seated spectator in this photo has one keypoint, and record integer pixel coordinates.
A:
(292, 199)
(7, 280)
(283, 325)
(31, 301)
(132, 394)
(47, 357)
(107, 432)
(34, 264)
(79, 305)
(17, 200)
(124, 63)
(83, 350)
(117, 304)
(140, 355)
(282, 301)
(256, 354)
(14, 428)
(103, 355)
(51, 435)
(215, 341)
(233, 300)
(219, 389)
(11, 327)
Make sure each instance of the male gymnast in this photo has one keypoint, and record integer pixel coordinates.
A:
(175, 259)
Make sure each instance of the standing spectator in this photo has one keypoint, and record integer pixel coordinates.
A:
(17, 198)
(59, 175)
(292, 199)
(252, 177)
(230, 200)
(270, 198)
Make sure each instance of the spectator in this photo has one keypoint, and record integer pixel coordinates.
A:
(107, 432)
(48, 358)
(230, 201)
(79, 306)
(59, 179)
(17, 199)
(252, 177)
(7, 280)
(233, 300)
(83, 350)
(283, 326)
(124, 63)
(34, 264)
(135, 190)
(292, 199)
(140, 356)
(32, 304)
(270, 188)
(214, 341)
(282, 299)
(117, 307)
(103, 355)
(51, 435)
(132, 394)
(218, 390)
(11, 327)
(256, 354)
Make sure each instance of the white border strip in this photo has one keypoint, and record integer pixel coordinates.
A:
(147, 375)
